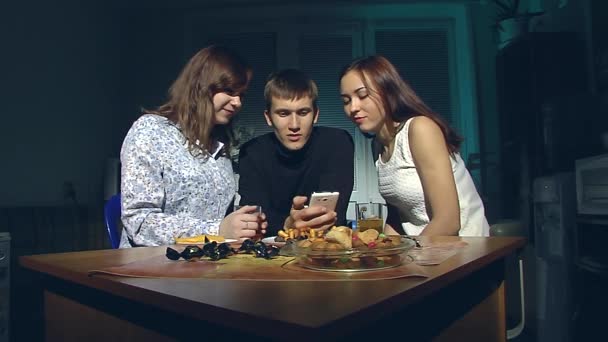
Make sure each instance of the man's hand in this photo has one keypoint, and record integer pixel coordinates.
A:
(313, 217)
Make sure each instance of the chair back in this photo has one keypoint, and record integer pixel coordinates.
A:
(112, 218)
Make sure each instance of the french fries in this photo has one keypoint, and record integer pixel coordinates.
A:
(295, 233)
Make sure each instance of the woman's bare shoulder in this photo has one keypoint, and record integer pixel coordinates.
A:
(423, 124)
(425, 130)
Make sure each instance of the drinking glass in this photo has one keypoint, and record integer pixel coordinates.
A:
(369, 216)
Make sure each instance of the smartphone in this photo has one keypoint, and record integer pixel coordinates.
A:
(328, 200)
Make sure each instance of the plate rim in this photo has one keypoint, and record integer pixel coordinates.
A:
(202, 243)
(272, 241)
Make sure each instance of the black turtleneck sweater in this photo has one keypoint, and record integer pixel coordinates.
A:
(271, 175)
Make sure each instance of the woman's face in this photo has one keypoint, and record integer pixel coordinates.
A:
(360, 105)
(225, 105)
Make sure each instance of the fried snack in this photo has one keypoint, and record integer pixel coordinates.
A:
(326, 246)
(303, 233)
(200, 239)
(345, 229)
(341, 236)
(368, 236)
(356, 241)
(318, 245)
(334, 246)
(304, 243)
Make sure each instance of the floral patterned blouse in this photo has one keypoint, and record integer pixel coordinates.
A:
(167, 191)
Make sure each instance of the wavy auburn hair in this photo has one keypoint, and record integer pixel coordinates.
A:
(397, 97)
(212, 70)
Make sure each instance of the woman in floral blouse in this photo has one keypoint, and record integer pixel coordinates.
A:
(177, 178)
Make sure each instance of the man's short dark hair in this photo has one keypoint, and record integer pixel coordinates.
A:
(290, 84)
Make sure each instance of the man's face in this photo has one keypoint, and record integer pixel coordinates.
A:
(292, 121)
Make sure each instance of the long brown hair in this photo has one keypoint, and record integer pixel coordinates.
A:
(397, 97)
(212, 70)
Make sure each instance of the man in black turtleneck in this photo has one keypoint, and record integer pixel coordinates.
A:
(297, 159)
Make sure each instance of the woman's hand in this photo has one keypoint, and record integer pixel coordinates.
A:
(312, 217)
(389, 230)
(244, 223)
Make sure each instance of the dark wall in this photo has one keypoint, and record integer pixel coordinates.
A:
(75, 76)
(60, 99)
(153, 49)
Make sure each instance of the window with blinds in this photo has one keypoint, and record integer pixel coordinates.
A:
(322, 56)
(421, 55)
(421, 47)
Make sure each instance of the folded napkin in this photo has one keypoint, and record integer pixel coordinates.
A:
(434, 253)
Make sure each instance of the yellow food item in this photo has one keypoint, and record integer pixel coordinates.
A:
(368, 236)
(345, 229)
(199, 239)
(341, 236)
(294, 233)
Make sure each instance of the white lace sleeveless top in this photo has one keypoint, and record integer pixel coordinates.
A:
(400, 186)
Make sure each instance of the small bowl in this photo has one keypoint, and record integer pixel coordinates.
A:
(355, 259)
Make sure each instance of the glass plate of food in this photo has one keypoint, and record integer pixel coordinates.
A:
(365, 252)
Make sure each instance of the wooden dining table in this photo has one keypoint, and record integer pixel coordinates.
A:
(462, 298)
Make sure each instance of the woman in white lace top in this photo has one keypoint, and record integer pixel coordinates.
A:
(422, 178)
(177, 179)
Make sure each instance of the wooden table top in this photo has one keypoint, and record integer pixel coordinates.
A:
(293, 305)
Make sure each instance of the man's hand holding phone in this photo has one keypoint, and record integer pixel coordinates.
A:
(320, 214)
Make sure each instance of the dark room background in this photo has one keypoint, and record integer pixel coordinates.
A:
(75, 74)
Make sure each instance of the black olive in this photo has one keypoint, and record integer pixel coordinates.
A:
(172, 254)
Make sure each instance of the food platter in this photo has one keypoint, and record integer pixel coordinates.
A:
(356, 259)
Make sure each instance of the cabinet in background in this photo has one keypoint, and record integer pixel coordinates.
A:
(541, 85)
